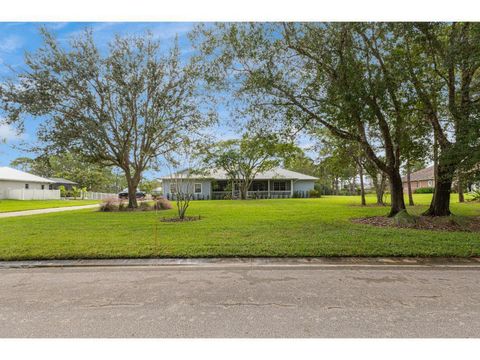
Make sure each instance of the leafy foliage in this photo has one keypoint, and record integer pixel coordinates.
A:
(242, 159)
(72, 167)
(125, 108)
(426, 190)
(341, 77)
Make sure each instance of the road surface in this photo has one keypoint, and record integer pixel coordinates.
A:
(203, 301)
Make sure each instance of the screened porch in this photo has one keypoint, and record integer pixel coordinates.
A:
(259, 189)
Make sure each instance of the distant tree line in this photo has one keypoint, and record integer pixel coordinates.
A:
(93, 177)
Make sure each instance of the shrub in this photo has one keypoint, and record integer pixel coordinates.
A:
(162, 204)
(426, 190)
(145, 206)
(76, 192)
(297, 194)
(110, 204)
(122, 205)
(475, 195)
(314, 193)
(63, 192)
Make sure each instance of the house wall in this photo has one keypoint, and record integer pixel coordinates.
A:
(303, 185)
(298, 185)
(418, 184)
(206, 187)
(16, 190)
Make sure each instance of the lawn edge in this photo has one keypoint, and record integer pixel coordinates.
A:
(253, 262)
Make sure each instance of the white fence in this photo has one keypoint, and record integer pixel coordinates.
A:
(88, 195)
(30, 194)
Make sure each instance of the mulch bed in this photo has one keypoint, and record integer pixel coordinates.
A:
(470, 224)
(185, 219)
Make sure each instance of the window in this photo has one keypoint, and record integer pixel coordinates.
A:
(281, 185)
(27, 186)
(43, 187)
(221, 185)
(50, 187)
(173, 188)
(430, 183)
(198, 188)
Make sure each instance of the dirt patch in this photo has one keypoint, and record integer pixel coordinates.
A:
(185, 219)
(450, 223)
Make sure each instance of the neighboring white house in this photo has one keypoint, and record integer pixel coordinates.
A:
(20, 185)
(214, 184)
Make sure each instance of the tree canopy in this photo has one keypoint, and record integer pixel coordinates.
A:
(242, 159)
(123, 107)
(352, 79)
(72, 167)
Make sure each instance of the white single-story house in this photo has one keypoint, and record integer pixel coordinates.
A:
(215, 185)
(20, 185)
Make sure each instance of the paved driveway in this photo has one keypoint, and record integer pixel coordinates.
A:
(236, 302)
(46, 211)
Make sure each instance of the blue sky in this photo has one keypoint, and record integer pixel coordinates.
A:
(17, 38)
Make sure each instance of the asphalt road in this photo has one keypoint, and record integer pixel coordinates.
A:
(234, 302)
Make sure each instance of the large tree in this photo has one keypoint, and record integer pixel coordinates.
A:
(305, 76)
(125, 106)
(298, 161)
(242, 159)
(443, 62)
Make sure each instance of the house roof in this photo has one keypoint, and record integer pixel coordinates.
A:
(218, 174)
(9, 174)
(63, 181)
(423, 174)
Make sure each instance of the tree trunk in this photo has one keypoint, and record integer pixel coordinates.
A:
(435, 157)
(396, 193)
(243, 187)
(440, 205)
(362, 187)
(461, 197)
(378, 180)
(379, 192)
(132, 192)
(409, 186)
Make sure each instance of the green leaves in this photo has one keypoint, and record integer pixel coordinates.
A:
(127, 106)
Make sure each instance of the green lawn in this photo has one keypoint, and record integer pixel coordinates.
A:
(289, 227)
(21, 205)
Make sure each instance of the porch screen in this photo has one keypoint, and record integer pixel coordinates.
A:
(281, 185)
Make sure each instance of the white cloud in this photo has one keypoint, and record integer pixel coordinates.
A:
(9, 134)
(56, 25)
(10, 43)
(169, 32)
